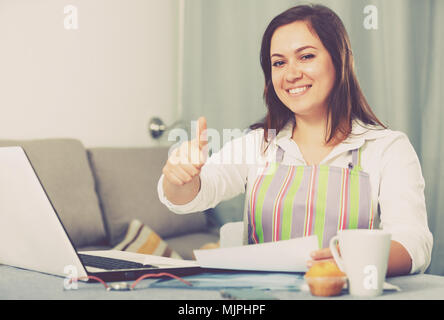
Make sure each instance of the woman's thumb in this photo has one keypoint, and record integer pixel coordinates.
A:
(201, 132)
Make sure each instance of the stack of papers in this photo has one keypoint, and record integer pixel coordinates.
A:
(266, 266)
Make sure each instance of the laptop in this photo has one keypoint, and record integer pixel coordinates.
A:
(33, 237)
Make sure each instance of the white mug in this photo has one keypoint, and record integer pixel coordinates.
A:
(363, 257)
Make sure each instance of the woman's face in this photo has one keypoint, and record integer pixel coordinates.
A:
(303, 73)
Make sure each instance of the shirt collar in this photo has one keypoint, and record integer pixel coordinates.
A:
(360, 133)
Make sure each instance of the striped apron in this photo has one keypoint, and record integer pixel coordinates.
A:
(295, 201)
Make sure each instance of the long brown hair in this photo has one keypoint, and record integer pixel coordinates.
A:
(346, 101)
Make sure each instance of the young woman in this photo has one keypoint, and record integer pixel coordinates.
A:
(323, 161)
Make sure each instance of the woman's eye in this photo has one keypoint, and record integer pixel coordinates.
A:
(278, 63)
(307, 56)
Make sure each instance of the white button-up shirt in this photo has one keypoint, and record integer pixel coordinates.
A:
(387, 156)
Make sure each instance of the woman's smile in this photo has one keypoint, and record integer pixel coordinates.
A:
(298, 91)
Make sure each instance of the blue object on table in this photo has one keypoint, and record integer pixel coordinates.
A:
(252, 280)
(247, 294)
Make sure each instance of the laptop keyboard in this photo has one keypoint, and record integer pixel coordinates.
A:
(111, 263)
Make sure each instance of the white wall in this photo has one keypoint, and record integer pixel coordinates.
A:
(100, 83)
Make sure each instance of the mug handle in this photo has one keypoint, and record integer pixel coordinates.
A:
(335, 253)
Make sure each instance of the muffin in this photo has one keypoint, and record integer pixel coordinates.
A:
(325, 279)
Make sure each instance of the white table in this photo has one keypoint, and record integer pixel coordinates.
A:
(23, 284)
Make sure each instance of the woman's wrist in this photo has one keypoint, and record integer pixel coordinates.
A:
(180, 195)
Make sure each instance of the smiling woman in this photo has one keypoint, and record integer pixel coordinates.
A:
(330, 164)
(302, 47)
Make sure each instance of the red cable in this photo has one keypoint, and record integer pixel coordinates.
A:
(152, 275)
(159, 275)
(89, 277)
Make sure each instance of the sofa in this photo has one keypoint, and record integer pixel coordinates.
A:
(97, 192)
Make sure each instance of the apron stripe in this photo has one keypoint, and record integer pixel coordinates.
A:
(269, 204)
(364, 202)
(321, 203)
(371, 215)
(344, 199)
(341, 201)
(277, 210)
(287, 215)
(347, 199)
(300, 205)
(261, 199)
(333, 204)
(310, 203)
(354, 199)
(253, 200)
(359, 160)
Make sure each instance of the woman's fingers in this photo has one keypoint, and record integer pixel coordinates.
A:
(201, 132)
(182, 173)
(311, 263)
(201, 142)
(323, 253)
(189, 169)
(171, 177)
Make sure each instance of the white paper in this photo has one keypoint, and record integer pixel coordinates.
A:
(164, 262)
(282, 256)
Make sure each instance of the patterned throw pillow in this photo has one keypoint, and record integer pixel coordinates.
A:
(142, 239)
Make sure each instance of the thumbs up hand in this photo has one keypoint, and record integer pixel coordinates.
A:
(185, 163)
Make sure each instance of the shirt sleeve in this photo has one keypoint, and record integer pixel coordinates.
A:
(223, 176)
(402, 201)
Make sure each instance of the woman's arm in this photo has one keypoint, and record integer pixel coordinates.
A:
(402, 203)
(400, 262)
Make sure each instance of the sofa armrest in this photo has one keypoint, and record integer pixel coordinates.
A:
(231, 234)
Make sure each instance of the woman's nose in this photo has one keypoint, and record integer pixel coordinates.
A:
(293, 72)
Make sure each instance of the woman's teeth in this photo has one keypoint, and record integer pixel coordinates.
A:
(298, 90)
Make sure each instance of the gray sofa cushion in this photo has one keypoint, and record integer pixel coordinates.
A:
(63, 168)
(126, 181)
(185, 244)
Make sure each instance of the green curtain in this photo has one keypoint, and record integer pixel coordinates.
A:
(429, 114)
(399, 66)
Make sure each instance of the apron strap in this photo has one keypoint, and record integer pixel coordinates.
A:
(279, 154)
(356, 160)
